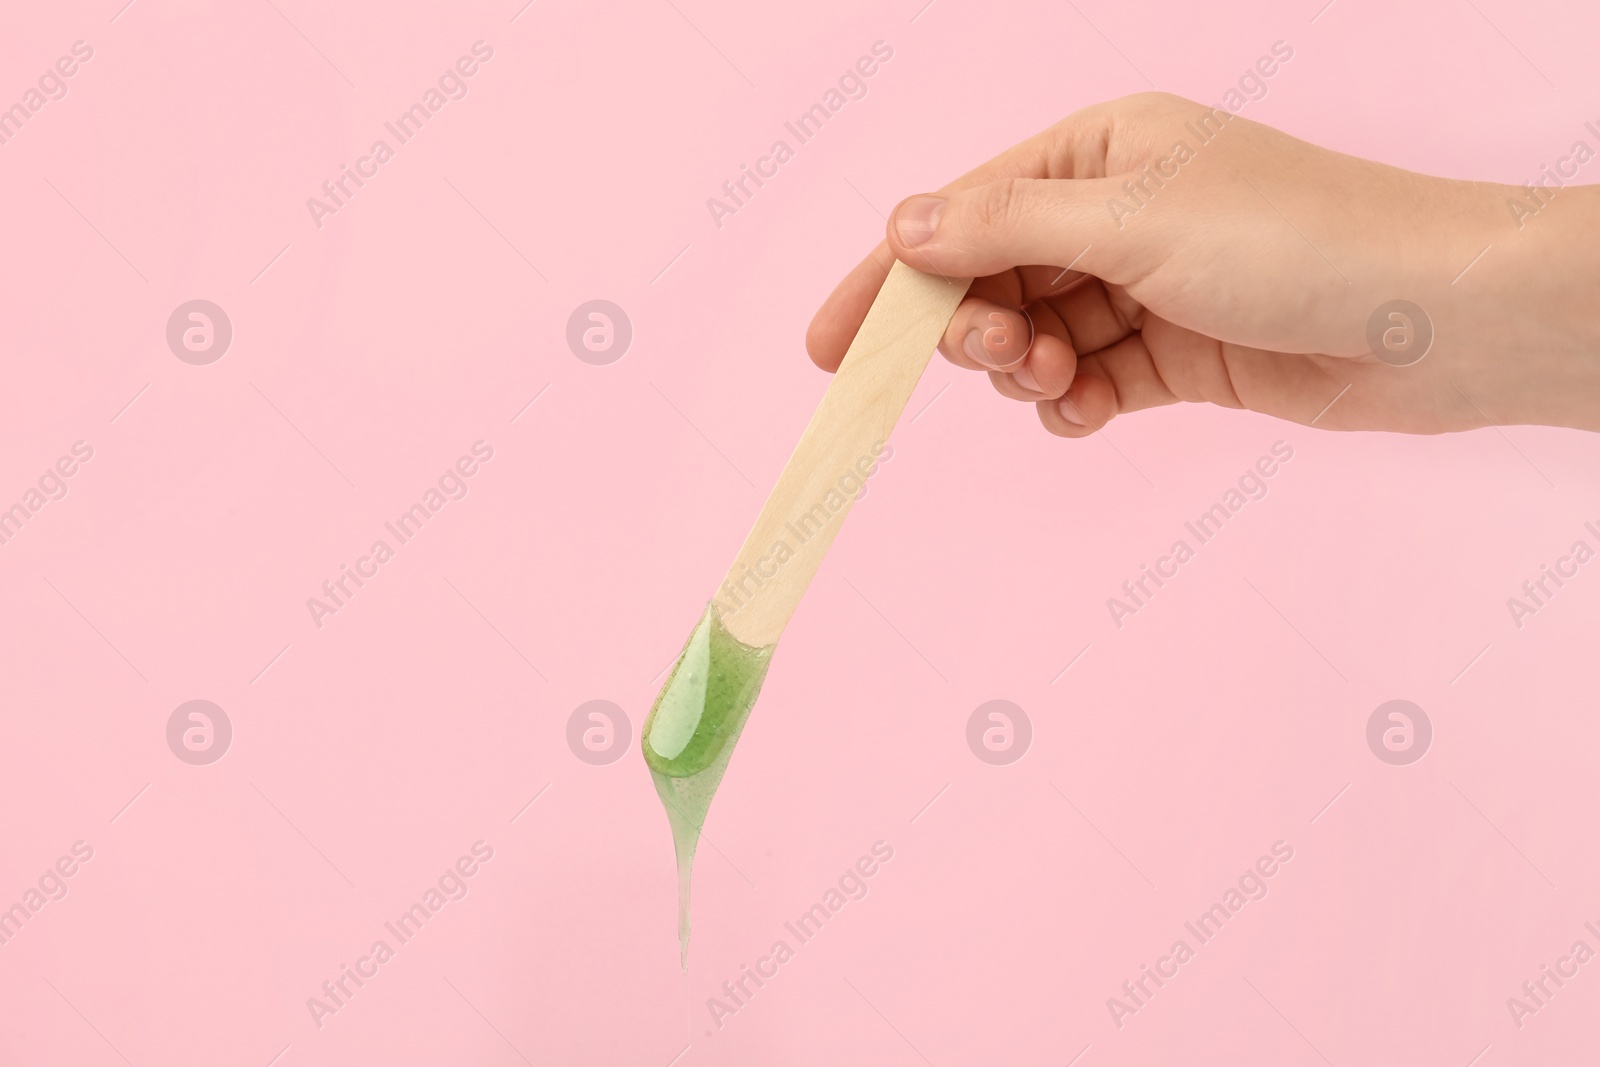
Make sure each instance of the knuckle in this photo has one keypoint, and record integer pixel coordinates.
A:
(996, 207)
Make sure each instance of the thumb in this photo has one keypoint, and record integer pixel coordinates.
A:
(1016, 222)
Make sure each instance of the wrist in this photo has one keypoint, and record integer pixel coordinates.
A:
(1527, 313)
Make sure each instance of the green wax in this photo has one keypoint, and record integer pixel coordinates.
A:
(690, 732)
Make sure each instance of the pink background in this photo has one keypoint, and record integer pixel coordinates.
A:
(369, 754)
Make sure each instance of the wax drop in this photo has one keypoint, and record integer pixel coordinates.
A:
(690, 734)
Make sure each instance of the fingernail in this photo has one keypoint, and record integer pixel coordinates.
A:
(1025, 378)
(1071, 412)
(973, 345)
(917, 218)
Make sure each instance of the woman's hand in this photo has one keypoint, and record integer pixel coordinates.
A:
(1151, 250)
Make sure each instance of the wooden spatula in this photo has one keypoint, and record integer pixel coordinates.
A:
(696, 720)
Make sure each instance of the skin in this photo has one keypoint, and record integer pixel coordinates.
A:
(1246, 279)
